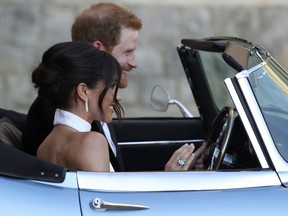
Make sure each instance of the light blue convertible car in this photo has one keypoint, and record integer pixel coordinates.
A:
(241, 94)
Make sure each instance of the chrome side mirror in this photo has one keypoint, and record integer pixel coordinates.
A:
(160, 100)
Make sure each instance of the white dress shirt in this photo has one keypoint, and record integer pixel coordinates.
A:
(108, 136)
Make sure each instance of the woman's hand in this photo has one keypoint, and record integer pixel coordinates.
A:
(199, 164)
(181, 158)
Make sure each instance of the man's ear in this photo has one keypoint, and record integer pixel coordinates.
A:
(82, 91)
(98, 44)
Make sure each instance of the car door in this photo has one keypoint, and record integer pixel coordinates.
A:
(177, 193)
(148, 143)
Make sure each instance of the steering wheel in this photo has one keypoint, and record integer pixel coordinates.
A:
(216, 150)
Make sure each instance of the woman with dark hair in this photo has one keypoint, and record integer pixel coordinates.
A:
(81, 83)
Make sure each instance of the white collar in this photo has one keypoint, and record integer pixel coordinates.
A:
(63, 117)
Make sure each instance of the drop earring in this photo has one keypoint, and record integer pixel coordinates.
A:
(86, 105)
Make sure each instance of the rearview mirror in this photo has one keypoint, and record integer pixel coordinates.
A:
(236, 56)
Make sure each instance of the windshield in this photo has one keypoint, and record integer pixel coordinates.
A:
(216, 70)
(270, 86)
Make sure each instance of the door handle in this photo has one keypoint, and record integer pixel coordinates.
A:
(98, 203)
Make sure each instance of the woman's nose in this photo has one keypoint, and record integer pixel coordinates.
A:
(119, 98)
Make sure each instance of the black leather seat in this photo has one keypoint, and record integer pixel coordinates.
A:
(9, 134)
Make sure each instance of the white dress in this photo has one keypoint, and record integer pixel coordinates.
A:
(63, 117)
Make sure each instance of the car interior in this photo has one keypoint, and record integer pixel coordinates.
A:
(148, 143)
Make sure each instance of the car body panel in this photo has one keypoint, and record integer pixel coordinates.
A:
(255, 201)
(34, 198)
(184, 192)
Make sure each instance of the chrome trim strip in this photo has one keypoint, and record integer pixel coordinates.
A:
(161, 142)
(246, 122)
(278, 161)
(175, 181)
(242, 74)
(256, 67)
(245, 73)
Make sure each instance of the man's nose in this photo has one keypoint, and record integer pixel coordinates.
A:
(132, 60)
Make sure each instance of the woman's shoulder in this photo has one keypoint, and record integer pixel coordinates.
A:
(92, 140)
(91, 136)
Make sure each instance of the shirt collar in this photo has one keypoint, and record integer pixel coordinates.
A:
(63, 117)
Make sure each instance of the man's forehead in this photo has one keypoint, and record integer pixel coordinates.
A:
(128, 39)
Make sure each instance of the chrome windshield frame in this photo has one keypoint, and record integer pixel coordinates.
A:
(242, 79)
(247, 123)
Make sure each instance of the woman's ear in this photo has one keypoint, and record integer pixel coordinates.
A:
(98, 44)
(82, 91)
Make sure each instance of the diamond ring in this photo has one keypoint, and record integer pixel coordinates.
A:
(181, 162)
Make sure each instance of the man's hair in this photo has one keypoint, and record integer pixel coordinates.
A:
(103, 22)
